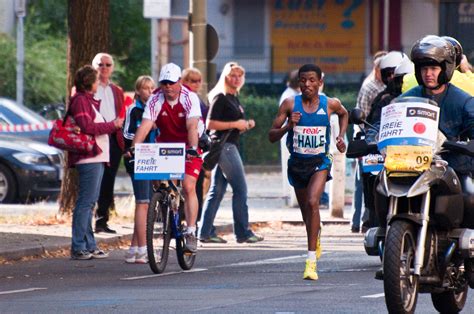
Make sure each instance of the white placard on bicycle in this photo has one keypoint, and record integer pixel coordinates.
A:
(159, 161)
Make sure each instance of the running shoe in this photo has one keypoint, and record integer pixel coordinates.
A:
(213, 239)
(141, 258)
(99, 254)
(252, 239)
(130, 257)
(190, 243)
(81, 255)
(310, 270)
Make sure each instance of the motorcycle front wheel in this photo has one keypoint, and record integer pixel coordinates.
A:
(400, 284)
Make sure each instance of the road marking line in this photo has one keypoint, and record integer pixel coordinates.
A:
(165, 274)
(265, 261)
(373, 296)
(21, 290)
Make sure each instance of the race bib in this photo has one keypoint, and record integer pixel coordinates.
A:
(408, 158)
(309, 140)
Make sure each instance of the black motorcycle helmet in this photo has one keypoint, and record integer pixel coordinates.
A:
(434, 50)
(457, 48)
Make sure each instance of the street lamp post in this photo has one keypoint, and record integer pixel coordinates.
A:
(20, 11)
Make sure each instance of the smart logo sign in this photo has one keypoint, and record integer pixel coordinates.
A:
(327, 33)
(160, 161)
(408, 124)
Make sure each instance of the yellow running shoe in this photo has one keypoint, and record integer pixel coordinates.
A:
(319, 248)
(310, 270)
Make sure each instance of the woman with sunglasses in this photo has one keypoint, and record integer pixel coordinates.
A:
(226, 114)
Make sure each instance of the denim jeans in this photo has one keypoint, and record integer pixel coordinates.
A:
(90, 177)
(229, 170)
(357, 196)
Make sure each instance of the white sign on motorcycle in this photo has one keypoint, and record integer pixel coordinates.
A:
(372, 163)
(159, 161)
(408, 123)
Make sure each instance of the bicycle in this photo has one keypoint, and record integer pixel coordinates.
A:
(165, 219)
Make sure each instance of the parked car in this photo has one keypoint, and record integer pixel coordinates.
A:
(21, 121)
(29, 170)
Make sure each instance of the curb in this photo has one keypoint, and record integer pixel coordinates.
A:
(39, 250)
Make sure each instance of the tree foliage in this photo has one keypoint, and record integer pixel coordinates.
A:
(46, 34)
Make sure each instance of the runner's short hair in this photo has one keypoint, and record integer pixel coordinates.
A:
(310, 68)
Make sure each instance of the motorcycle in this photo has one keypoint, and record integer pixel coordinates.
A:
(427, 245)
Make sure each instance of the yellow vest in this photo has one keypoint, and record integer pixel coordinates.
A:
(461, 80)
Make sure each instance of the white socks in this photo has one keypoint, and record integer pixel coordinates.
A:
(191, 230)
(312, 256)
(135, 249)
(141, 250)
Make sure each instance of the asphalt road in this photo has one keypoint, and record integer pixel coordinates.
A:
(227, 278)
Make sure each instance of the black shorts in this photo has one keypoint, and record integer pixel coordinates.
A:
(300, 170)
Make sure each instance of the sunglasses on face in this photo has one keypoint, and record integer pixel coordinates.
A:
(105, 65)
(166, 82)
(195, 81)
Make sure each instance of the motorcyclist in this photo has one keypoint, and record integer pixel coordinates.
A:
(462, 76)
(435, 63)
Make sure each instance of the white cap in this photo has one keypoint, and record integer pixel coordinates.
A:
(170, 72)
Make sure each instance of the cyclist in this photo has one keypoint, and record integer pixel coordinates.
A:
(176, 111)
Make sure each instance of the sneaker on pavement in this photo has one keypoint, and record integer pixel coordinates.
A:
(141, 258)
(310, 270)
(99, 254)
(252, 239)
(81, 255)
(213, 239)
(130, 257)
(190, 243)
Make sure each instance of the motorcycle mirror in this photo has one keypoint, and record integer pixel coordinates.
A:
(357, 116)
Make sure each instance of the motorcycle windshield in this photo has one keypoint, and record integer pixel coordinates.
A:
(408, 135)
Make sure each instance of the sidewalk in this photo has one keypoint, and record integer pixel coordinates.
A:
(266, 206)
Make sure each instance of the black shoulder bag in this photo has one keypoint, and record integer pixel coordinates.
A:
(212, 158)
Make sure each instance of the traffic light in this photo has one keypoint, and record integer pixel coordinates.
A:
(212, 46)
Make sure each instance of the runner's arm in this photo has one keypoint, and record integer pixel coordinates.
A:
(284, 111)
(336, 107)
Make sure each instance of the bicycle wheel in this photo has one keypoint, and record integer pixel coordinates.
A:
(185, 259)
(158, 234)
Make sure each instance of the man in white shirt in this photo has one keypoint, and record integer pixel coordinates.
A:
(111, 107)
